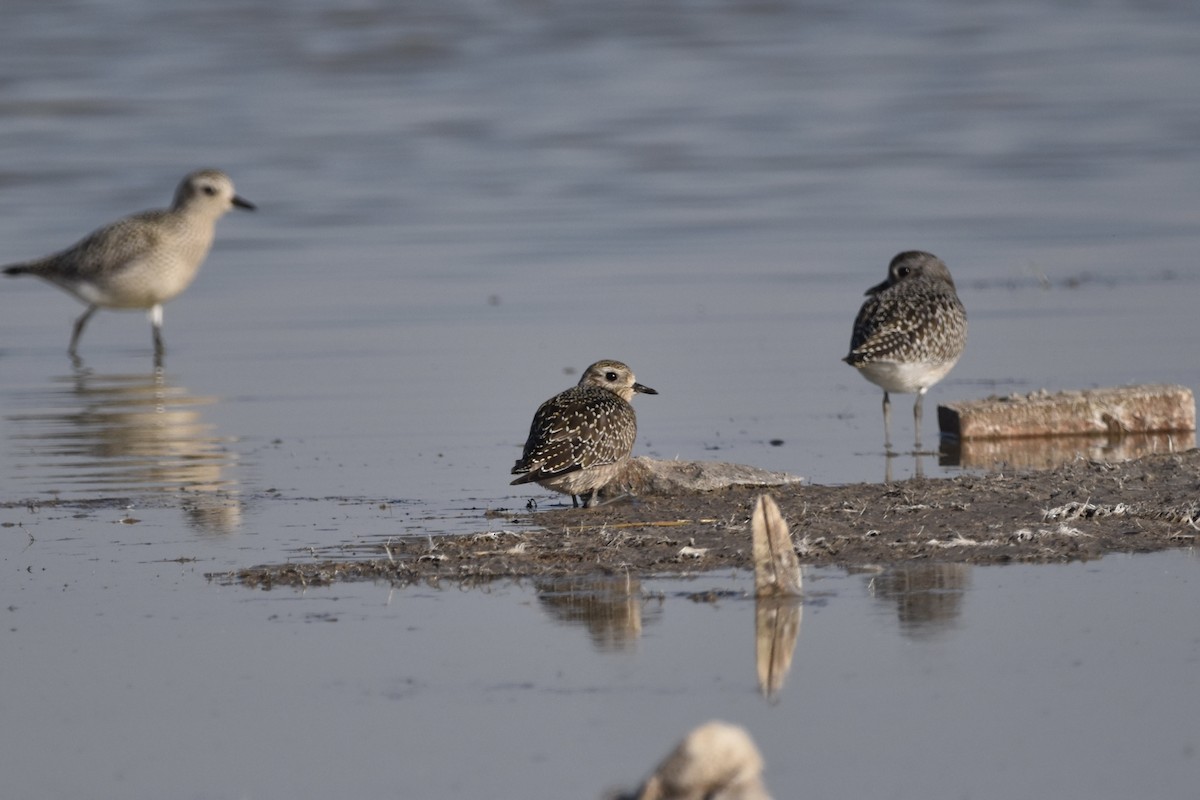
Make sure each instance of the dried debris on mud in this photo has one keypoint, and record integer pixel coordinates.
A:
(1079, 511)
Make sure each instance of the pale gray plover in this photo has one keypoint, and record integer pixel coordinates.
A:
(910, 332)
(581, 439)
(144, 260)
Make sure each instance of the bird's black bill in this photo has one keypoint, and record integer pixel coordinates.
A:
(637, 387)
(241, 202)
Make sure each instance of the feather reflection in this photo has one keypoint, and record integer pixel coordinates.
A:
(776, 630)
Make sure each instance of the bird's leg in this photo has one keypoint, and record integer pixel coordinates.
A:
(156, 320)
(79, 326)
(917, 418)
(887, 422)
(575, 501)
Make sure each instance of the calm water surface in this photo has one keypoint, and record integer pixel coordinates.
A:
(460, 203)
(127, 675)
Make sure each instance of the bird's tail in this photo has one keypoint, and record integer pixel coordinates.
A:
(16, 269)
(520, 467)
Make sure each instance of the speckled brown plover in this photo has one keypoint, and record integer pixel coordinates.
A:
(581, 438)
(142, 261)
(910, 332)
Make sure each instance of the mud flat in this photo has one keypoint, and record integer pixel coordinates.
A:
(1079, 511)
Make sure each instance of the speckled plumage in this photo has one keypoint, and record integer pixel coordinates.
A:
(910, 332)
(144, 260)
(581, 438)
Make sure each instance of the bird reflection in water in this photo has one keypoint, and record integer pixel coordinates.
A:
(928, 597)
(610, 608)
(126, 433)
(615, 610)
(947, 455)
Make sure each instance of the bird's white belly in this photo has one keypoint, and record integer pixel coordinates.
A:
(584, 480)
(905, 378)
(138, 285)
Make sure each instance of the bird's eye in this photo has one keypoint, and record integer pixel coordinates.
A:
(610, 376)
(903, 272)
(209, 189)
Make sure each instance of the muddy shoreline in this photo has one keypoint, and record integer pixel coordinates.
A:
(1080, 511)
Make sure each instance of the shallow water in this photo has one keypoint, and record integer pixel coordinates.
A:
(461, 205)
(126, 675)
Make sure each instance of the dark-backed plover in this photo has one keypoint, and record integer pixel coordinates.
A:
(580, 439)
(910, 332)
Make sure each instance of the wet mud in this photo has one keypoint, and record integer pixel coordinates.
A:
(1079, 511)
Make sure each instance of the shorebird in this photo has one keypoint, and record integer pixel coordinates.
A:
(910, 332)
(141, 261)
(580, 439)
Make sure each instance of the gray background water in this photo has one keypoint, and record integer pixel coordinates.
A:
(459, 201)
